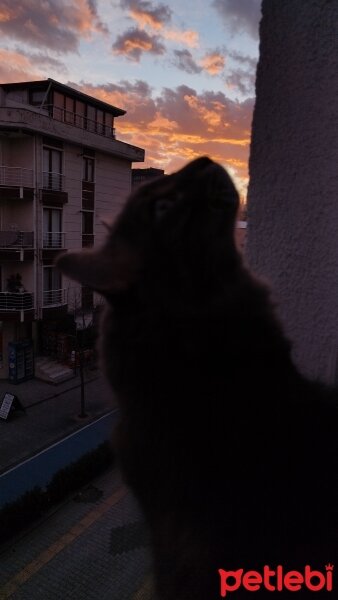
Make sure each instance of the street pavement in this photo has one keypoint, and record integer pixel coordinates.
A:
(52, 413)
(92, 547)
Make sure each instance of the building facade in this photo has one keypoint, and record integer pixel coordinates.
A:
(62, 174)
(140, 176)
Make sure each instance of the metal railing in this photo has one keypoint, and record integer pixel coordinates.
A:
(54, 298)
(10, 301)
(16, 239)
(53, 239)
(53, 181)
(16, 177)
(87, 240)
(72, 118)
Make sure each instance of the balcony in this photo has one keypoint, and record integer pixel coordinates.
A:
(52, 298)
(16, 182)
(53, 185)
(17, 245)
(87, 240)
(53, 240)
(16, 177)
(16, 239)
(53, 181)
(80, 121)
(16, 306)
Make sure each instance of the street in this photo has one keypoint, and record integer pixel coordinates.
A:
(94, 546)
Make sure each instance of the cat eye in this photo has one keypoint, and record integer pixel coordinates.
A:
(161, 207)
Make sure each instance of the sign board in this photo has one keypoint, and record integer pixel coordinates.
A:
(8, 404)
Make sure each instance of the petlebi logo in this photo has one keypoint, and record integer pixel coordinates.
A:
(276, 580)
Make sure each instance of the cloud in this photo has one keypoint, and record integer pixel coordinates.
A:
(244, 81)
(240, 14)
(43, 62)
(53, 24)
(243, 59)
(188, 37)
(158, 18)
(185, 62)
(134, 42)
(180, 124)
(14, 66)
(18, 65)
(145, 14)
(213, 63)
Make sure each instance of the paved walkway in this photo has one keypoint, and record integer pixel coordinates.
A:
(93, 547)
(51, 414)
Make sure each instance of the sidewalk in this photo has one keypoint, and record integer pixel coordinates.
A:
(93, 546)
(52, 412)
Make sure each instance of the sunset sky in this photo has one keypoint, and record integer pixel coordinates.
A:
(184, 71)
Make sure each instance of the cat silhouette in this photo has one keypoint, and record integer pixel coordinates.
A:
(230, 451)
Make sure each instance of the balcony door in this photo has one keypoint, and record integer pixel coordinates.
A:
(52, 228)
(52, 292)
(52, 169)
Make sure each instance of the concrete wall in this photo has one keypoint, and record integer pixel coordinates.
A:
(293, 191)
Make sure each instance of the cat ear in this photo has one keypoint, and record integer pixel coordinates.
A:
(107, 270)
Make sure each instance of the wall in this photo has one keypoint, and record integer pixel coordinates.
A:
(112, 187)
(292, 201)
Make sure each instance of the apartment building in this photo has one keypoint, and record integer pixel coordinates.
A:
(62, 173)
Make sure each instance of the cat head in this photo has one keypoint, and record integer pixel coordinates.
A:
(176, 230)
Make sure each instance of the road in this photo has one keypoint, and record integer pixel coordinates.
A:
(92, 547)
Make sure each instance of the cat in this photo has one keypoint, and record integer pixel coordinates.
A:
(231, 453)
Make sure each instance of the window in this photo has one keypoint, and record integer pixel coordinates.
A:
(109, 124)
(37, 97)
(52, 169)
(87, 228)
(90, 121)
(58, 106)
(88, 169)
(80, 110)
(99, 121)
(69, 112)
(52, 236)
(52, 292)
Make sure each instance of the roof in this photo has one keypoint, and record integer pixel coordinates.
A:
(56, 85)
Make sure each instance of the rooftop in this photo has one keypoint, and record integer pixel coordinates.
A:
(51, 84)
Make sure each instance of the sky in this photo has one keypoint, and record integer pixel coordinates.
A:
(183, 71)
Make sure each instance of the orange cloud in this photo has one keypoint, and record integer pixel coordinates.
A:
(212, 117)
(213, 63)
(144, 19)
(56, 24)
(16, 67)
(134, 42)
(189, 37)
(145, 14)
(24, 66)
(180, 124)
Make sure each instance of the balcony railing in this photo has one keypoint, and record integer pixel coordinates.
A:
(53, 240)
(87, 240)
(53, 181)
(72, 118)
(16, 239)
(10, 301)
(16, 177)
(54, 298)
